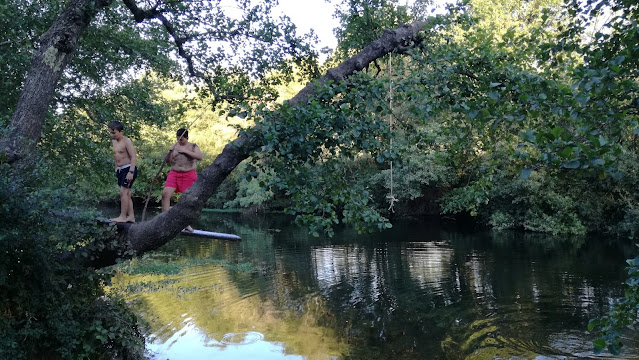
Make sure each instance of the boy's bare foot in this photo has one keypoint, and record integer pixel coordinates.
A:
(118, 219)
(130, 219)
(189, 228)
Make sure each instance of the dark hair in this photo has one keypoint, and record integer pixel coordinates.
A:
(116, 125)
(183, 131)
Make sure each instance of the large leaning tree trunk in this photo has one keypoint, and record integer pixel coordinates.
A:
(54, 53)
(149, 235)
(56, 50)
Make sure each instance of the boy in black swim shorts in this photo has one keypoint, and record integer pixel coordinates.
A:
(125, 170)
(121, 173)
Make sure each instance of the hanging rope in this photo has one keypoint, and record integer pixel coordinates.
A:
(148, 194)
(391, 196)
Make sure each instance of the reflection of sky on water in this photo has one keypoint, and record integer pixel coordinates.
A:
(330, 265)
(429, 263)
(480, 281)
(193, 344)
(351, 265)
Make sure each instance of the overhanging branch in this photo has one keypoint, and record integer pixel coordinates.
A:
(141, 15)
(149, 235)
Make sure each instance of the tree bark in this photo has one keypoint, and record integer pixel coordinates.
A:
(54, 53)
(149, 235)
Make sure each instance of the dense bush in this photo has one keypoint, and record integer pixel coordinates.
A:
(52, 306)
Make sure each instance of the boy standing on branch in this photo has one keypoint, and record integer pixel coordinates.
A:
(182, 156)
(125, 170)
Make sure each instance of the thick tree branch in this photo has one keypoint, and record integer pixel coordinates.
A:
(149, 235)
(140, 15)
(54, 53)
(56, 48)
(388, 42)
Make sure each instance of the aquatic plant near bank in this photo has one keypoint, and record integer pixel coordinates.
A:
(622, 317)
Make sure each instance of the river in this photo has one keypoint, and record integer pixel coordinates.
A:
(421, 290)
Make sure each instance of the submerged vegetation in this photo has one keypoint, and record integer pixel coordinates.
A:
(521, 114)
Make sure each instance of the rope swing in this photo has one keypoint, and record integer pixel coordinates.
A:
(391, 196)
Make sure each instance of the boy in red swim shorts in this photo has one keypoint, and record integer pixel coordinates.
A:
(182, 157)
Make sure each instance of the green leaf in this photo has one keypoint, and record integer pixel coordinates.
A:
(602, 141)
(599, 345)
(615, 68)
(618, 60)
(571, 164)
(568, 152)
(556, 132)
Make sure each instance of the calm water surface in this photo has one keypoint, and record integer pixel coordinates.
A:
(417, 291)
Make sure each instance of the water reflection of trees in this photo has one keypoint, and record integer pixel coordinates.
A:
(538, 286)
(505, 291)
(419, 291)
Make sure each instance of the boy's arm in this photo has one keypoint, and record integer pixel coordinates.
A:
(169, 157)
(115, 162)
(132, 154)
(197, 152)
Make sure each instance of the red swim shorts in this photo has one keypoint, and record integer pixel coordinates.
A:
(180, 180)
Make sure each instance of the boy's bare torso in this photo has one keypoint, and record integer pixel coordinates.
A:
(182, 162)
(120, 153)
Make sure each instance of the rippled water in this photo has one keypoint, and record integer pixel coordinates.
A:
(417, 291)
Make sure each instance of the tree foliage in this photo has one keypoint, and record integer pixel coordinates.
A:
(49, 308)
(363, 21)
(518, 99)
(500, 109)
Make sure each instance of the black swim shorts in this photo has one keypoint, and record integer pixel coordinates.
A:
(121, 175)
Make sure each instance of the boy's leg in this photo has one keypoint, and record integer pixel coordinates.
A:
(167, 192)
(188, 180)
(125, 196)
(130, 215)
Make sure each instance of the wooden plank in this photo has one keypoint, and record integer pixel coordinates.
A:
(212, 235)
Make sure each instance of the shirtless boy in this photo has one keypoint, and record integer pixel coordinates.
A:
(182, 156)
(125, 170)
